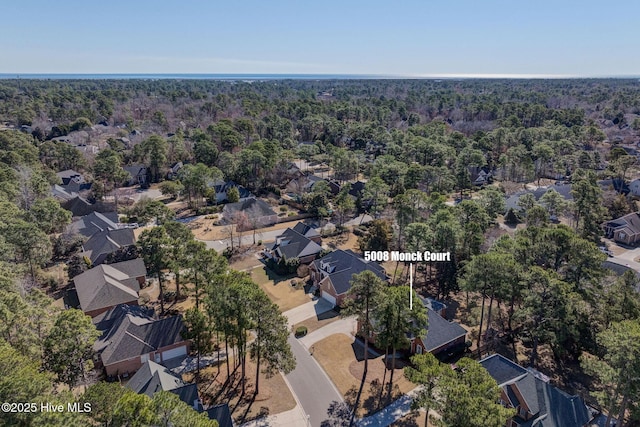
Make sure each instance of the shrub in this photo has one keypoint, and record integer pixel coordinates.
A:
(301, 331)
(303, 270)
(283, 209)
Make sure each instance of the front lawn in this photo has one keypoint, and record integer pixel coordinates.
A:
(279, 288)
(342, 359)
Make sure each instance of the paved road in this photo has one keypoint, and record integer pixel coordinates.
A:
(627, 259)
(345, 326)
(311, 385)
(247, 239)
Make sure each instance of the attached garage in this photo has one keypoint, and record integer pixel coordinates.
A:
(328, 297)
(174, 352)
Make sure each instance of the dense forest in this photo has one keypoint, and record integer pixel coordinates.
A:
(418, 145)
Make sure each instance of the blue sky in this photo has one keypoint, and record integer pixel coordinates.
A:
(428, 37)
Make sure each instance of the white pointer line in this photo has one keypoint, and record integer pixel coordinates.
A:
(410, 286)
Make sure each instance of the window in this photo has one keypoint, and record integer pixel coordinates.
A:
(419, 349)
(144, 358)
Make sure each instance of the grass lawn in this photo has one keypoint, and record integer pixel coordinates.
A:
(412, 419)
(279, 289)
(343, 361)
(274, 396)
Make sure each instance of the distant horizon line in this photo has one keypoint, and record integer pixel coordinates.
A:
(305, 76)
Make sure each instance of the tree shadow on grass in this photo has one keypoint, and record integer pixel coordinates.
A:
(338, 415)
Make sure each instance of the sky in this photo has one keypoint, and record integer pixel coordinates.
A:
(387, 38)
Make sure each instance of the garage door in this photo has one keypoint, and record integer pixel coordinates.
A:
(327, 296)
(174, 352)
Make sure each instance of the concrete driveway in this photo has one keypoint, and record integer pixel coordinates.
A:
(307, 310)
(346, 326)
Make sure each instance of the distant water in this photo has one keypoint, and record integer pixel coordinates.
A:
(5, 76)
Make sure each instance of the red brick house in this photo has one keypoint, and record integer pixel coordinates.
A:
(332, 273)
(441, 335)
(131, 336)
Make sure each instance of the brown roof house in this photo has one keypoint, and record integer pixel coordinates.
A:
(291, 244)
(132, 335)
(259, 213)
(106, 286)
(625, 230)
(333, 272)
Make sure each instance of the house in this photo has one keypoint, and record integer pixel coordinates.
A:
(222, 189)
(72, 183)
(442, 336)
(538, 403)
(106, 242)
(259, 213)
(137, 174)
(480, 176)
(357, 189)
(291, 244)
(615, 184)
(90, 224)
(564, 190)
(152, 378)
(79, 206)
(308, 231)
(625, 230)
(68, 176)
(634, 187)
(174, 170)
(332, 273)
(221, 414)
(132, 335)
(105, 286)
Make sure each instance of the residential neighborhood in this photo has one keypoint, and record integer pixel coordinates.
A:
(250, 268)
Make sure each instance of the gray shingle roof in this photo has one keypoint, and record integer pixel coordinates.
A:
(440, 331)
(630, 221)
(502, 369)
(132, 334)
(550, 406)
(152, 378)
(70, 175)
(109, 285)
(306, 230)
(292, 244)
(254, 208)
(221, 414)
(564, 190)
(90, 224)
(341, 265)
(106, 242)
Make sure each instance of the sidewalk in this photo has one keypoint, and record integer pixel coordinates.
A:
(391, 413)
(292, 418)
